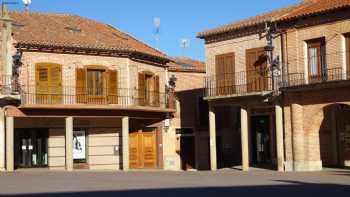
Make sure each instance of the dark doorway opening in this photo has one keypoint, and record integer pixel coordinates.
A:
(31, 148)
(261, 142)
(187, 152)
(335, 136)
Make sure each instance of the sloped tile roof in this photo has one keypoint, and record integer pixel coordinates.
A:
(305, 8)
(64, 30)
(185, 64)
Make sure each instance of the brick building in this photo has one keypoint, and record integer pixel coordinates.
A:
(79, 94)
(189, 126)
(278, 88)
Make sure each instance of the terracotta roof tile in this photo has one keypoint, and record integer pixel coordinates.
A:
(66, 30)
(186, 64)
(305, 8)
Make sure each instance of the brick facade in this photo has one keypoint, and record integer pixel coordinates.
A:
(306, 120)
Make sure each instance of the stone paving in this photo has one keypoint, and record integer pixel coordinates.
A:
(333, 183)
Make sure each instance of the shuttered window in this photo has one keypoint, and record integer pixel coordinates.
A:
(149, 94)
(97, 86)
(225, 74)
(48, 83)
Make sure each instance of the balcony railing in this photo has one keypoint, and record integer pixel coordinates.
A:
(239, 83)
(301, 79)
(8, 85)
(34, 95)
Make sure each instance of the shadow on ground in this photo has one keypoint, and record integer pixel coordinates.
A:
(284, 189)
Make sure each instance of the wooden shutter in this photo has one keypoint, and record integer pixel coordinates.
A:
(229, 62)
(81, 91)
(142, 95)
(256, 65)
(156, 91)
(220, 72)
(55, 78)
(48, 83)
(225, 74)
(42, 84)
(112, 85)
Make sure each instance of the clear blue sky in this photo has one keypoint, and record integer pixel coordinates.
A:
(179, 18)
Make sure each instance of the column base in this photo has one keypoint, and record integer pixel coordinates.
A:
(2, 170)
(304, 166)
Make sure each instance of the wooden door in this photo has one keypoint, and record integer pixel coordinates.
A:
(256, 70)
(225, 74)
(143, 150)
(316, 64)
(149, 150)
(49, 83)
(134, 150)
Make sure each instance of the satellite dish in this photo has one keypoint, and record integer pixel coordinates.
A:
(27, 3)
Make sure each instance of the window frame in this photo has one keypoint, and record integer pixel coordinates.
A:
(95, 83)
(347, 52)
(320, 45)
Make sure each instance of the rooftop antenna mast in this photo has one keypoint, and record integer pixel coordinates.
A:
(184, 44)
(27, 4)
(156, 25)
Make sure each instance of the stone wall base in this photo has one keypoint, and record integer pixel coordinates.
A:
(288, 166)
(347, 163)
(303, 166)
(172, 163)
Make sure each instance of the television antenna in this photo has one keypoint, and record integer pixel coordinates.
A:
(27, 4)
(184, 44)
(156, 32)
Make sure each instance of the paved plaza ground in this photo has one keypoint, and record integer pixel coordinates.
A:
(331, 183)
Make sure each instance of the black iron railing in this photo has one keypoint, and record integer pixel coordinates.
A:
(327, 75)
(46, 95)
(239, 83)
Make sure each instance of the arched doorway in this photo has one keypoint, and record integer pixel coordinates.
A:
(335, 136)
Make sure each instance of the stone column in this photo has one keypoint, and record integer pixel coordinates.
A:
(298, 137)
(212, 138)
(244, 139)
(125, 143)
(279, 138)
(2, 140)
(69, 143)
(10, 167)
